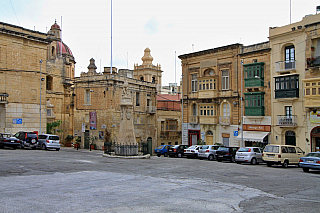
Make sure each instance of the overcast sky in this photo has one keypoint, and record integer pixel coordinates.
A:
(166, 27)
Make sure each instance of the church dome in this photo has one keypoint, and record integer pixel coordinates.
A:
(55, 26)
(65, 50)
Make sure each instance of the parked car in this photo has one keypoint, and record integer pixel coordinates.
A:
(251, 155)
(47, 141)
(226, 153)
(310, 161)
(28, 139)
(208, 152)
(162, 150)
(282, 155)
(177, 150)
(192, 151)
(9, 141)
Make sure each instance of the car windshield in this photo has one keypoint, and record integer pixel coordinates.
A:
(243, 149)
(223, 149)
(54, 138)
(192, 147)
(313, 155)
(32, 135)
(160, 147)
(270, 148)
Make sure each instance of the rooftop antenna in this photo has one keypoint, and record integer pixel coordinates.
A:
(175, 68)
(192, 47)
(61, 39)
(111, 41)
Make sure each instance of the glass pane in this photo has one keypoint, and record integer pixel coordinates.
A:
(308, 91)
(314, 91)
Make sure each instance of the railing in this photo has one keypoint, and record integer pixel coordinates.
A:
(151, 109)
(224, 120)
(170, 134)
(193, 119)
(287, 120)
(4, 98)
(113, 148)
(285, 65)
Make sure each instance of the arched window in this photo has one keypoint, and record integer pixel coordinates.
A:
(226, 109)
(209, 132)
(153, 79)
(52, 51)
(49, 83)
(208, 72)
(141, 78)
(290, 138)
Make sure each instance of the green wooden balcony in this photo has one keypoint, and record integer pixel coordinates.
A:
(254, 111)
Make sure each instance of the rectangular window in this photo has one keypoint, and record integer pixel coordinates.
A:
(199, 86)
(137, 98)
(207, 86)
(194, 85)
(48, 112)
(288, 111)
(87, 96)
(210, 85)
(225, 80)
(208, 112)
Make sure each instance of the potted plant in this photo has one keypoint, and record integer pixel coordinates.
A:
(93, 145)
(78, 141)
(68, 140)
(312, 48)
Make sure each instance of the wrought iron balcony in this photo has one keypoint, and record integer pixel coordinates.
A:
(287, 120)
(151, 109)
(285, 65)
(193, 119)
(4, 98)
(224, 120)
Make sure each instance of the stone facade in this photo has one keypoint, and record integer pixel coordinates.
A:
(101, 94)
(20, 53)
(169, 119)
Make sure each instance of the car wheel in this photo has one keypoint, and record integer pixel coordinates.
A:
(285, 164)
(43, 147)
(219, 160)
(57, 149)
(166, 154)
(211, 157)
(14, 147)
(269, 164)
(238, 162)
(232, 160)
(305, 169)
(179, 155)
(34, 148)
(158, 155)
(253, 161)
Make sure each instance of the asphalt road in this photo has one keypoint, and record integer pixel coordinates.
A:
(84, 181)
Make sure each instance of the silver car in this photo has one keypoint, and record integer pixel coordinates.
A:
(47, 141)
(208, 152)
(251, 155)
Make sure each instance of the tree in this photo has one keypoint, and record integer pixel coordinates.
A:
(51, 127)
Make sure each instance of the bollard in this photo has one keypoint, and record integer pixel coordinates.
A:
(78, 146)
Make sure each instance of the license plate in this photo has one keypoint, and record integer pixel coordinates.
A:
(220, 156)
(240, 157)
(33, 140)
(310, 161)
(12, 141)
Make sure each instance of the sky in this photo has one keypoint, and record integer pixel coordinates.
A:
(168, 28)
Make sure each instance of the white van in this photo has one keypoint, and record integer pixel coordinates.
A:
(282, 154)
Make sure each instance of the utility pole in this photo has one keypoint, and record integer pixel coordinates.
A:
(40, 94)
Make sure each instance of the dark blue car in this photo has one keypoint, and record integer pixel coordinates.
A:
(162, 150)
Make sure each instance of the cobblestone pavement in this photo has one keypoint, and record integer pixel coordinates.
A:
(82, 181)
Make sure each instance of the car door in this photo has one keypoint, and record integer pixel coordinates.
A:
(258, 154)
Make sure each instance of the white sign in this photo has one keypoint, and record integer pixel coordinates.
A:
(83, 127)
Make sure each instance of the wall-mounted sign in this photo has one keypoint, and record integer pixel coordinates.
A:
(17, 121)
(93, 120)
(315, 117)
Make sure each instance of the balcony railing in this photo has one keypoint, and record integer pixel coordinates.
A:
(151, 109)
(224, 120)
(193, 119)
(287, 120)
(170, 134)
(4, 98)
(285, 65)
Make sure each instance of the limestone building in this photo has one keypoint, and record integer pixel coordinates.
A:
(23, 55)
(169, 119)
(98, 103)
(295, 72)
(214, 81)
(20, 53)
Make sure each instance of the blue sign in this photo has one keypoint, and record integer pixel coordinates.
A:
(17, 121)
(235, 133)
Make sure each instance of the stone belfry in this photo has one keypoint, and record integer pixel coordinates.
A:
(147, 71)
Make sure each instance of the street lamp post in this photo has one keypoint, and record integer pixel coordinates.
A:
(40, 94)
(241, 97)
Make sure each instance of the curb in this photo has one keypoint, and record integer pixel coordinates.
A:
(127, 157)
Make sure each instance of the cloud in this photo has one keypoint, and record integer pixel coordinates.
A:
(151, 27)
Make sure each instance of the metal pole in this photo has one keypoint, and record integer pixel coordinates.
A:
(111, 41)
(241, 145)
(182, 108)
(40, 95)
